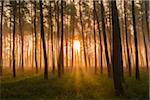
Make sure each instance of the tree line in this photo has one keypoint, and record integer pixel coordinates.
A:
(115, 30)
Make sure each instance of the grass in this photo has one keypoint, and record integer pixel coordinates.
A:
(74, 85)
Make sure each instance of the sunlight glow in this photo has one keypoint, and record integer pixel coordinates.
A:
(76, 45)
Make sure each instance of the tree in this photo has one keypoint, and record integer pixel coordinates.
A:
(116, 50)
(51, 32)
(21, 32)
(32, 34)
(43, 41)
(73, 27)
(10, 37)
(137, 74)
(1, 31)
(35, 32)
(99, 31)
(126, 31)
(109, 28)
(88, 38)
(61, 55)
(66, 38)
(105, 40)
(122, 44)
(144, 37)
(94, 11)
(58, 32)
(14, 3)
(146, 2)
(82, 32)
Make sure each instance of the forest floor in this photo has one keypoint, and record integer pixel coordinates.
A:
(79, 84)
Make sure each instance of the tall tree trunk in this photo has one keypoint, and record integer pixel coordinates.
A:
(116, 50)
(58, 32)
(126, 31)
(110, 30)
(94, 11)
(14, 3)
(147, 16)
(39, 49)
(88, 39)
(43, 41)
(137, 74)
(99, 31)
(51, 27)
(10, 39)
(105, 41)
(62, 36)
(1, 44)
(122, 50)
(146, 52)
(35, 32)
(32, 36)
(73, 30)
(21, 32)
(82, 31)
(67, 32)
(144, 38)
(61, 55)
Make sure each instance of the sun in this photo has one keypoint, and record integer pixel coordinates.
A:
(76, 45)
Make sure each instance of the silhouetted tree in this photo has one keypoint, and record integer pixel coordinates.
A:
(1, 32)
(58, 33)
(14, 3)
(35, 32)
(137, 74)
(94, 11)
(116, 50)
(146, 2)
(32, 34)
(144, 36)
(10, 37)
(127, 43)
(43, 41)
(21, 32)
(99, 31)
(73, 27)
(51, 32)
(82, 32)
(105, 40)
(61, 55)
